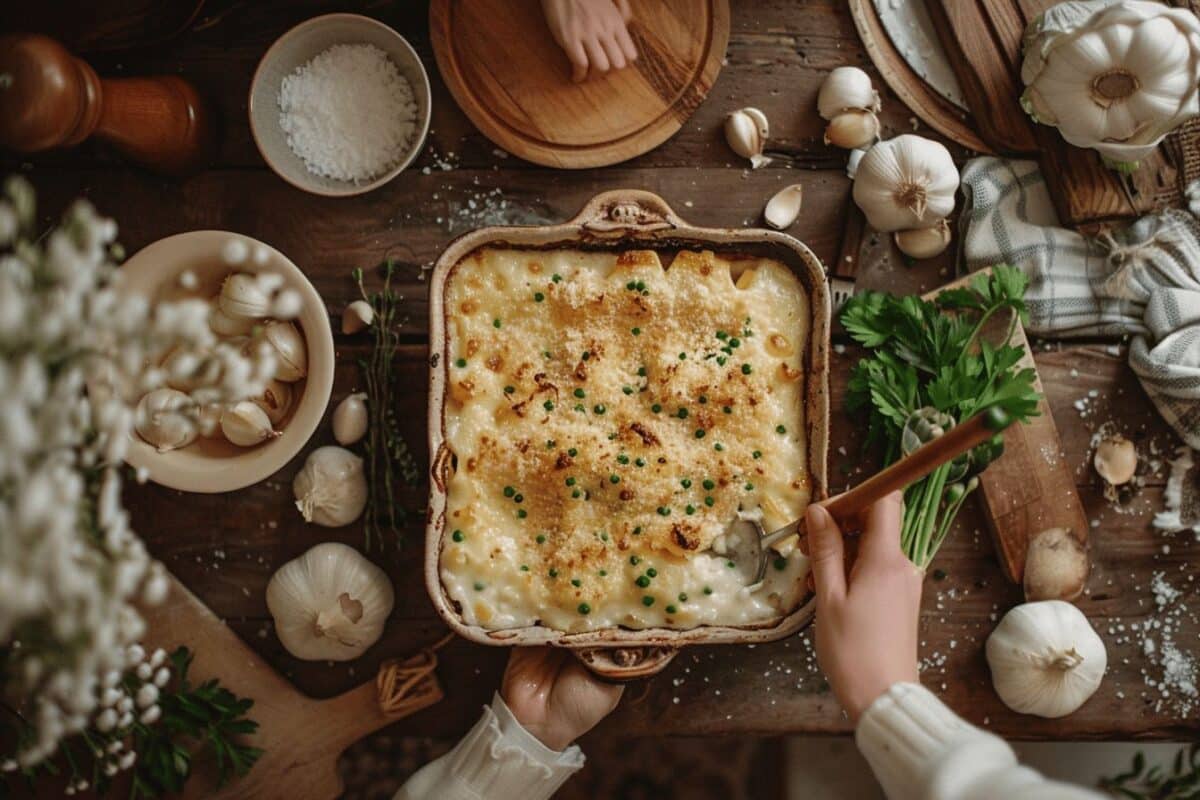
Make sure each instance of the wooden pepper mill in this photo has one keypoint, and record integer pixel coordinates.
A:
(49, 98)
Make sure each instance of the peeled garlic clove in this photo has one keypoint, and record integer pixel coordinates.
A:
(746, 131)
(846, 88)
(350, 419)
(163, 419)
(924, 242)
(357, 316)
(291, 354)
(245, 296)
(246, 425)
(852, 129)
(1116, 460)
(185, 369)
(276, 400)
(783, 209)
(224, 325)
(331, 488)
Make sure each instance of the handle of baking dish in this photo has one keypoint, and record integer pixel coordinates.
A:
(626, 663)
(439, 471)
(626, 210)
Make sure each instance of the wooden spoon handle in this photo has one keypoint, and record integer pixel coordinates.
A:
(915, 466)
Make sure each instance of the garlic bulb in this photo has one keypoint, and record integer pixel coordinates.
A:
(276, 400)
(746, 131)
(291, 354)
(330, 604)
(245, 296)
(331, 488)
(1115, 77)
(784, 207)
(924, 242)
(905, 182)
(350, 419)
(163, 419)
(246, 425)
(1045, 659)
(846, 89)
(852, 129)
(356, 316)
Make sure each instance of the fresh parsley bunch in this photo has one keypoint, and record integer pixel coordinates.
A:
(929, 368)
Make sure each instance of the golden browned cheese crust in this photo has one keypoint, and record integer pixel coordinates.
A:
(611, 418)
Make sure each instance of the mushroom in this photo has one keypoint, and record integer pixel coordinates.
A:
(1056, 566)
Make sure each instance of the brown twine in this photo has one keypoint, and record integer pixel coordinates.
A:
(408, 684)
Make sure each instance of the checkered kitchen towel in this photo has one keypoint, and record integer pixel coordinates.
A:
(1144, 281)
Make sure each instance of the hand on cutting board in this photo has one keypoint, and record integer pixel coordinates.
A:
(592, 33)
(866, 619)
(554, 696)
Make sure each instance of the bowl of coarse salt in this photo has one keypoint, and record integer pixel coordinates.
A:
(339, 105)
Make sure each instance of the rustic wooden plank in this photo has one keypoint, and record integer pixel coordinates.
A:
(412, 219)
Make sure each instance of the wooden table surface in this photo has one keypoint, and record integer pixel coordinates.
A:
(226, 547)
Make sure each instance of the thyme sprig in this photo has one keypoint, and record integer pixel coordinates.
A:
(387, 454)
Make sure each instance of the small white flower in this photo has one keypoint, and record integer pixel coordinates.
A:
(147, 695)
(135, 655)
(125, 704)
(110, 769)
(116, 746)
(106, 720)
(162, 677)
(150, 715)
(126, 720)
(8, 765)
(158, 657)
(126, 761)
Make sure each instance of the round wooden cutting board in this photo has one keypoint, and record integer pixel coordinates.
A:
(514, 82)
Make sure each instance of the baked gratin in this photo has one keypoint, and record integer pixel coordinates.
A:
(609, 418)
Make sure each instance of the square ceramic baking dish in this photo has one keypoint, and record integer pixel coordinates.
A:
(624, 220)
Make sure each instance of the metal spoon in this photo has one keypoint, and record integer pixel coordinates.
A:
(748, 545)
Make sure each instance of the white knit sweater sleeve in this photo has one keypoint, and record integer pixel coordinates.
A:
(498, 760)
(921, 750)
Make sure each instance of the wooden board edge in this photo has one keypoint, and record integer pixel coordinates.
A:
(1019, 445)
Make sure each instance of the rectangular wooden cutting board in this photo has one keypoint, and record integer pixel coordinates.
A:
(1030, 488)
(982, 39)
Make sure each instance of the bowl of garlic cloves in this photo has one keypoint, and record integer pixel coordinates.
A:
(247, 391)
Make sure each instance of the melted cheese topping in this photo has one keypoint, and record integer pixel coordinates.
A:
(610, 418)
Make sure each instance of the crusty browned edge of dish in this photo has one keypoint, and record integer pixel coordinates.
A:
(613, 221)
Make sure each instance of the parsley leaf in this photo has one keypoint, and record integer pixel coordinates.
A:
(940, 357)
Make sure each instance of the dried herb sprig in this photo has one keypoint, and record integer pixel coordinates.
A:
(387, 454)
(1140, 782)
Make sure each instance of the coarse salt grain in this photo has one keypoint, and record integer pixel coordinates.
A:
(348, 113)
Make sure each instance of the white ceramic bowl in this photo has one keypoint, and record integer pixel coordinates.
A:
(296, 48)
(213, 464)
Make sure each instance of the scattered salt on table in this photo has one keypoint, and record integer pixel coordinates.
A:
(348, 113)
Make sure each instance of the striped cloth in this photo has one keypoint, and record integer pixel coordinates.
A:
(1143, 282)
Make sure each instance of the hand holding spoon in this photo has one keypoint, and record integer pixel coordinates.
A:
(748, 545)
